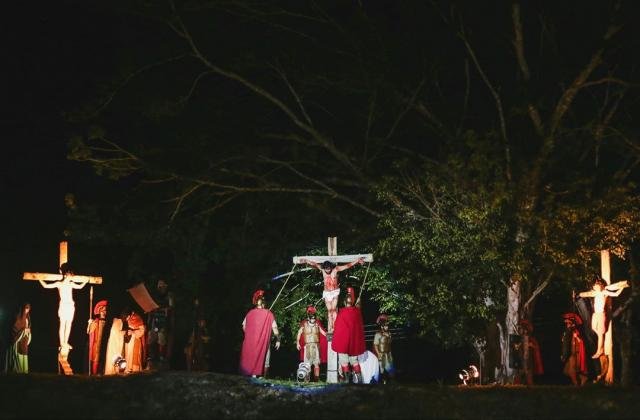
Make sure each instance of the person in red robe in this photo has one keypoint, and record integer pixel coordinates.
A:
(312, 342)
(348, 338)
(257, 325)
(573, 351)
(533, 360)
(96, 329)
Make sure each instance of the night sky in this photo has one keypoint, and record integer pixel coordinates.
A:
(58, 54)
(54, 53)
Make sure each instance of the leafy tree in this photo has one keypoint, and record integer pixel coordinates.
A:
(494, 153)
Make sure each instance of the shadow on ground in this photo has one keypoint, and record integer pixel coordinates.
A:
(212, 395)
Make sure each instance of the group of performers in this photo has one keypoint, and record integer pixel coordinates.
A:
(345, 332)
(131, 344)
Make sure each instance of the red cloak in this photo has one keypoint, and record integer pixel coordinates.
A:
(536, 356)
(581, 355)
(323, 343)
(94, 340)
(348, 332)
(257, 338)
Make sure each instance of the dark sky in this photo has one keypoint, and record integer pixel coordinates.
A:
(53, 53)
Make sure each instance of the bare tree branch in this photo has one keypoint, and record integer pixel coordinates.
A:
(498, 101)
(130, 77)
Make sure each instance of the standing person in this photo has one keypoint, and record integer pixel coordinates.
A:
(95, 330)
(311, 342)
(115, 347)
(573, 354)
(134, 351)
(258, 325)
(67, 307)
(331, 286)
(197, 350)
(531, 356)
(599, 322)
(160, 325)
(348, 337)
(382, 348)
(126, 343)
(17, 353)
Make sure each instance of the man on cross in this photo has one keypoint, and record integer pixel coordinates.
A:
(331, 290)
(67, 307)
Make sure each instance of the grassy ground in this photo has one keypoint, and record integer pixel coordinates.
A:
(211, 395)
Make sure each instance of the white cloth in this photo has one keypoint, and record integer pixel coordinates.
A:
(114, 346)
(369, 367)
(330, 294)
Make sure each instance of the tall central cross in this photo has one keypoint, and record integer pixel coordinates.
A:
(333, 257)
(65, 284)
(605, 273)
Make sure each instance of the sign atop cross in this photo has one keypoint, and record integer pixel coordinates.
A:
(331, 296)
(65, 281)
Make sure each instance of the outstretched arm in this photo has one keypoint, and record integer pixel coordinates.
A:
(590, 293)
(48, 285)
(614, 294)
(80, 284)
(311, 263)
(617, 286)
(351, 264)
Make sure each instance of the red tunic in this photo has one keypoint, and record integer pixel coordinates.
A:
(257, 338)
(348, 332)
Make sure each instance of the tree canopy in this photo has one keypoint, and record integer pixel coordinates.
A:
(471, 146)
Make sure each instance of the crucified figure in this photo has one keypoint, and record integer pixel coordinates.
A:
(600, 293)
(331, 287)
(67, 307)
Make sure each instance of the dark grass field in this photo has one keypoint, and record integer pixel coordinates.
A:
(213, 396)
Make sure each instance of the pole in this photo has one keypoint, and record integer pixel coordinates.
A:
(363, 282)
(88, 336)
(282, 288)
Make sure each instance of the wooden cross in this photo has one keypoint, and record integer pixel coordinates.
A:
(332, 248)
(332, 251)
(64, 351)
(53, 277)
(605, 273)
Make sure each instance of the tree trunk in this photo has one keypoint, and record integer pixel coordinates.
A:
(511, 323)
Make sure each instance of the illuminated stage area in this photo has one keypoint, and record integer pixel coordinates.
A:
(211, 395)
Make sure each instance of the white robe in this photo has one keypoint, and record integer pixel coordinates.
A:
(369, 367)
(114, 346)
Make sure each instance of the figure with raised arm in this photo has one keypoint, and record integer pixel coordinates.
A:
(331, 290)
(600, 293)
(67, 306)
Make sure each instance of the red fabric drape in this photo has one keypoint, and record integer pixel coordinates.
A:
(257, 337)
(348, 332)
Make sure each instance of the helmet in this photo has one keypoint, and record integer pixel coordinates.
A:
(257, 295)
(101, 304)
